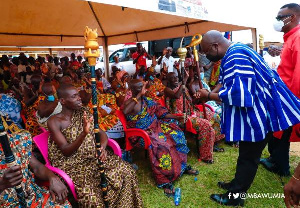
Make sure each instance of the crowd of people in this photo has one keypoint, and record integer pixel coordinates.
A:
(236, 97)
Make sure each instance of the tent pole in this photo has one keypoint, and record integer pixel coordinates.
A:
(254, 38)
(105, 58)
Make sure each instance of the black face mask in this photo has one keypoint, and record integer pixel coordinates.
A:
(214, 58)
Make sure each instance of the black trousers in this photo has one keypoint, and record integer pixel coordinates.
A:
(279, 150)
(247, 164)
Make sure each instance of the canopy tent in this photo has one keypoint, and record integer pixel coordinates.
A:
(62, 23)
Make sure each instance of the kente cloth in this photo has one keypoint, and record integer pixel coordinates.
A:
(10, 107)
(255, 99)
(111, 120)
(214, 76)
(21, 145)
(116, 132)
(168, 149)
(32, 124)
(217, 108)
(208, 129)
(155, 88)
(83, 168)
(81, 85)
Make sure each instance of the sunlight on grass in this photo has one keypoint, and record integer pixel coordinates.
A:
(195, 193)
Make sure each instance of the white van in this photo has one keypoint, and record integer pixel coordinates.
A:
(125, 59)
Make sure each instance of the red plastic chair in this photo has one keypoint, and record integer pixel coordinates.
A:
(129, 132)
(41, 142)
(200, 107)
(162, 101)
(188, 125)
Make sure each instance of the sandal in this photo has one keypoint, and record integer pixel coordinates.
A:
(218, 149)
(190, 171)
(169, 189)
(208, 161)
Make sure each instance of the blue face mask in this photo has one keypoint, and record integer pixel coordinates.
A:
(51, 98)
(202, 75)
(151, 78)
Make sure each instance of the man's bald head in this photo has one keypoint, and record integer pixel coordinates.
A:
(212, 36)
(170, 75)
(136, 86)
(66, 79)
(48, 88)
(69, 97)
(214, 45)
(63, 89)
(135, 82)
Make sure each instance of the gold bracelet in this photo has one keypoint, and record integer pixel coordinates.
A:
(295, 178)
(135, 100)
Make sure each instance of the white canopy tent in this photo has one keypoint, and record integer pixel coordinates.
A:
(62, 23)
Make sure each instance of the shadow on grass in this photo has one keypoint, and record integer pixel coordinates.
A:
(195, 193)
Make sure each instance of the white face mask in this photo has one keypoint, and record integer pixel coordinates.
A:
(59, 75)
(278, 25)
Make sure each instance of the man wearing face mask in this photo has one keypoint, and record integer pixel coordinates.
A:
(48, 107)
(288, 19)
(256, 103)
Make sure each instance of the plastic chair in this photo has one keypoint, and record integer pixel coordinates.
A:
(188, 125)
(129, 132)
(200, 107)
(41, 142)
(162, 101)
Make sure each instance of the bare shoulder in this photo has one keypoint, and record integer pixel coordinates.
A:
(54, 121)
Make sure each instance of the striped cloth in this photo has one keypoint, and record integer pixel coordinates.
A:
(255, 100)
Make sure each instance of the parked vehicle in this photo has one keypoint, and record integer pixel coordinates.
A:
(125, 58)
(153, 47)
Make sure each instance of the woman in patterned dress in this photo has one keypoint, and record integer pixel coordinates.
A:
(208, 133)
(168, 150)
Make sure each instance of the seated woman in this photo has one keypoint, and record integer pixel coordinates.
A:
(168, 151)
(107, 119)
(120, 86)
(10, 106)
(32, 169)
(207, 129)
(32, 98)
(155, 88)
(48, 107)
(193, 88)
(102, 84)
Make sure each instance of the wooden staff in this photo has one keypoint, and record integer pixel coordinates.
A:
(196, 41)
(92, 52)
(182, 54)
(11, 161)
(261, 45)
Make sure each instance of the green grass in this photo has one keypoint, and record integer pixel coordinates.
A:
(196, 193)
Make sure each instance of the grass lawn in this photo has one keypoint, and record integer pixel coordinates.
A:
(195, 193)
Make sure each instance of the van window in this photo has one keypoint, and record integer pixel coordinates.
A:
(129, 52)
(116, 53)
